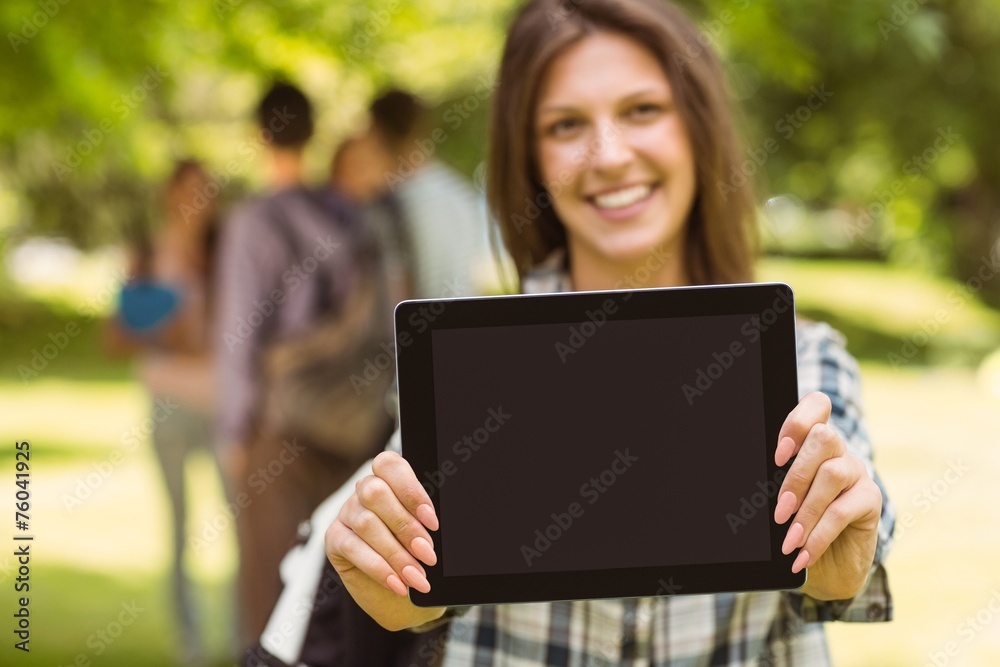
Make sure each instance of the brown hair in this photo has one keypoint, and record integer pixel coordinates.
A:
(285, 115)
(399, 117)
(721, 243)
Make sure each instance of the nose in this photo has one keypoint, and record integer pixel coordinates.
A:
(611, 150)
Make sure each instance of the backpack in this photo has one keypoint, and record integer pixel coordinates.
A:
(314, 384)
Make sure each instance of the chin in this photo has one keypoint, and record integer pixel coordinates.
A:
(636, 248)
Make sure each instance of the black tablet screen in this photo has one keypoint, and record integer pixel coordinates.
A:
(583, 447)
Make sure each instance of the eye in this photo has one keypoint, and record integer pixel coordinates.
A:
(644, 110)
(564, 127)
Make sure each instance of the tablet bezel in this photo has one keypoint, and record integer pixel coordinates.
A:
(414, 321)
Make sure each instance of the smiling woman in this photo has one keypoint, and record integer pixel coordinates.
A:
(608, 146)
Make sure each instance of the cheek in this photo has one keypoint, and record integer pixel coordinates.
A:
(559, 173)
(666, 145)
(677, 148)
(556, 163)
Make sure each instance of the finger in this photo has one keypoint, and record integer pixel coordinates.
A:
(822, 444)
(832, 479)
(814, 408)
(396, 471)
(346, 550)
(376, 497)
(860, 506)
(369, 527)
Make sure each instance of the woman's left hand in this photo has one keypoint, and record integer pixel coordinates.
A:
(835, 503)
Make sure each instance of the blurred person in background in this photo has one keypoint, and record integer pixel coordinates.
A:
(431, 228)
(296, 269)
(357, 174)
(445, 221)
(358, 167)
(438, 218)
(164, 317)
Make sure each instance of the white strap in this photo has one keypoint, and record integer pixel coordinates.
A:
(285, 633)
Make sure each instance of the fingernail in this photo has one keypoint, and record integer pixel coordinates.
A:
(784, 508)
(425, 513)
(793, 538)
(397, 586)
(424, 550)
(416, 579)
(800, 561)
(778, 454)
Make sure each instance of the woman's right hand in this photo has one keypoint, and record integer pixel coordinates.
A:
(380, 538)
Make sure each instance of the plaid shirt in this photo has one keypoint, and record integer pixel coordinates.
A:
(761, 628)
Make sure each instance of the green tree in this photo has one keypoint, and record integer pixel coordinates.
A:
(880, 110)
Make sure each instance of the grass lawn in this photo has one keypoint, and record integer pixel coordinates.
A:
(938, 451)
(100, 519)
(884, 311)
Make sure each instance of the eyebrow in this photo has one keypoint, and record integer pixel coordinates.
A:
(569, 109)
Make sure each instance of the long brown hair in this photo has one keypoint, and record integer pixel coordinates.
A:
(721, 240)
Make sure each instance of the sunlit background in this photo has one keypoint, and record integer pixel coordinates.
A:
(871, 127)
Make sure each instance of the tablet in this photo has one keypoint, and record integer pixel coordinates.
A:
(600, 444)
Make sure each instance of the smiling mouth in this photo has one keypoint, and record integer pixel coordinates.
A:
(622, 198)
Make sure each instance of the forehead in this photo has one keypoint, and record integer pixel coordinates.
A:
(600, 68)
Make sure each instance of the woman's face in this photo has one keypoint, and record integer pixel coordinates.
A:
(613, 152)
(361, 168)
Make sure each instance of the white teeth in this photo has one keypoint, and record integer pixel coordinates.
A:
(622, 198)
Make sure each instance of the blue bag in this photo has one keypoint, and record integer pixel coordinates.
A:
(146, 305)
